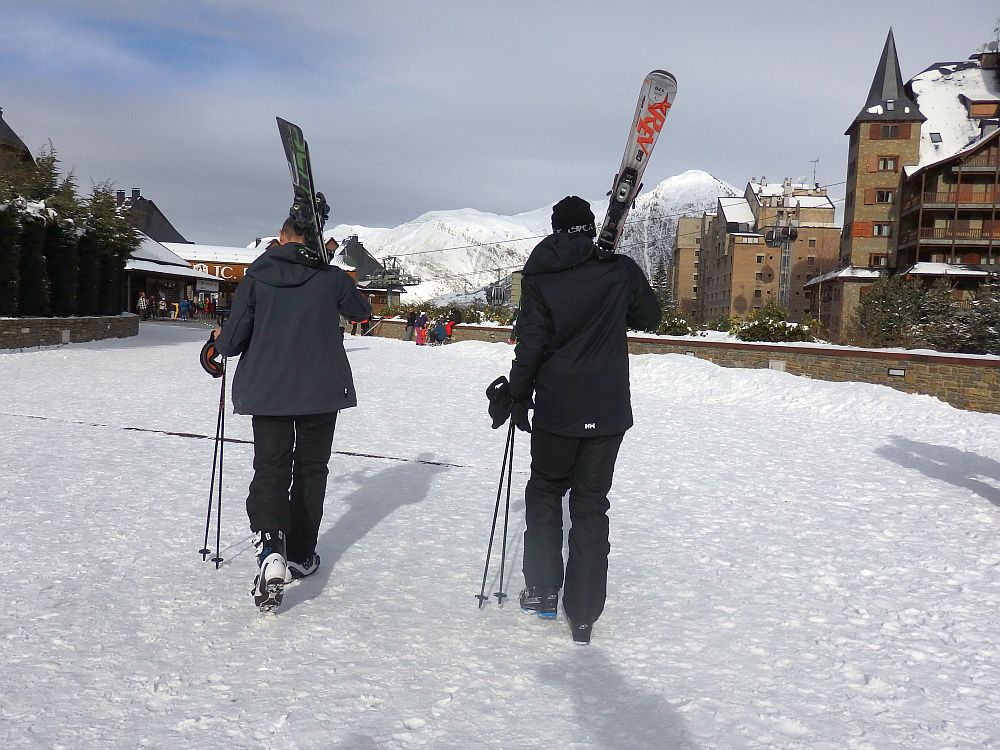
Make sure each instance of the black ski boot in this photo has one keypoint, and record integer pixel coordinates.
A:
(580, 632)
(540, 600)
(269, 585)
(297, 570)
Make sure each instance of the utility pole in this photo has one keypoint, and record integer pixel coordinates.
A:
(814, 162)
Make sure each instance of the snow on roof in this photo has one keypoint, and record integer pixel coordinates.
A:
(216, 253)
(184, 271)
(156, 252)
(736, 210)
(946, 269)
(808, 200)
(939, 91)
(846, 273)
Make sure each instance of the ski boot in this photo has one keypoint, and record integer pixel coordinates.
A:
(540, 600)
(297, 570)
(269, 585)
(580, 632)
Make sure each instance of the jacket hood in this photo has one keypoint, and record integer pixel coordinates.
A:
(560, 252)
(282, 266)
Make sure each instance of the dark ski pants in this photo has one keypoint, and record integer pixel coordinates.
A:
(585, 467)
(291, 451)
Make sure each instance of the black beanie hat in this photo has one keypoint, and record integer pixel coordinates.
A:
(573, 213)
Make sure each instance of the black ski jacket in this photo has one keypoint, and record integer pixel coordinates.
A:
(285, 322)
(572, 349)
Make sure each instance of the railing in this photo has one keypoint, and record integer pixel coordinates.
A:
(961, 196)
(950, 233)
(982, 160)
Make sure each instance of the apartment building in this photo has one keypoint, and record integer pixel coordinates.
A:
(739, 272)
(684, 264)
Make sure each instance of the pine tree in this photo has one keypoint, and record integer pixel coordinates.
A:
(61, 237)
(10, 260)
(35, 297)
(887, 314)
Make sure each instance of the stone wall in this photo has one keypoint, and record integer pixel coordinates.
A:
(965, 382)
(19, 333)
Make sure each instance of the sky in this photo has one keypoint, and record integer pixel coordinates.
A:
(414, 107)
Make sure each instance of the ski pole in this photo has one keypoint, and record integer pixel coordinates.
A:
(222, 448)
(496, 512)
(501, 594)
(220, 431)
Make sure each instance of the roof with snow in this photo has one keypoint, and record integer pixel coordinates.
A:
(216, 253)
(736, 211)
(946, 269)
(888, 100)
(153, 257)
(804, 196)
(943, 92)
(850, 273)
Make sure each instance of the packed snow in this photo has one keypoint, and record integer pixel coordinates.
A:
(795, 564)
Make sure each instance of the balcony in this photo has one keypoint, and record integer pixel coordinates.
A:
(961, 198)
(950, 235)
(979, 162)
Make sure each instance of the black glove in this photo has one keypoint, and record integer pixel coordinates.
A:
(519, 413)
(211, 360)
(498, 393)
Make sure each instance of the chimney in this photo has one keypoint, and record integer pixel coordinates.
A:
(119, 197)
(135, 194)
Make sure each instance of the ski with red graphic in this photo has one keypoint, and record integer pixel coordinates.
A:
(655, 99)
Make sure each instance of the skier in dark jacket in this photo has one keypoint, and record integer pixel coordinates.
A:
(572, 356)
(293, 377)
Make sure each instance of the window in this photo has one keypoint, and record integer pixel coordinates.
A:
(890, 105)
(760, 258)
(694, 290)
(811, 260)
(757, 294)
(697, 253)
(884, 196)
(890, 131)
(882, 230)
(812, 242)
(697, 240)
(935, 137)
(760, 277)
(887, 164)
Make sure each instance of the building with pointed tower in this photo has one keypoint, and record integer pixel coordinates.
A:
(923, 183)
(12, 148)
(884, 136)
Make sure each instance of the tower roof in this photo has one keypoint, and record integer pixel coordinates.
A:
(10, 140)
(887, 99)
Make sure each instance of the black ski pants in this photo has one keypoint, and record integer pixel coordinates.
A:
(295, 452)
(585, 467)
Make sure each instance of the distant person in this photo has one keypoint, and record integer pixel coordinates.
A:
(142, 305)
(161, 308)
(411, 324)
(293, 378)
(571, 366)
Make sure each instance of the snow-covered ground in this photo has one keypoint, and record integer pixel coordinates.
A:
(795, 564)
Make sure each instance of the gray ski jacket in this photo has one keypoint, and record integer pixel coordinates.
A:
(285, 322)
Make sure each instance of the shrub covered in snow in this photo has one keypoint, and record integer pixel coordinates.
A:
(675, 324)
(770, 323)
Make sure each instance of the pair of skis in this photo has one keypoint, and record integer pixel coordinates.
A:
(655, 99)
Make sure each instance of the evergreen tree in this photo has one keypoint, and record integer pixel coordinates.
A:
(107, 242)
(887, 315)
(985, 310)
(10, 260)
(662, 286)
(34, 293)
(61, 237)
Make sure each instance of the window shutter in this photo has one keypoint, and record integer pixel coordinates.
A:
(872, 163)
(875, 131)
(904, 131)
(869, 196)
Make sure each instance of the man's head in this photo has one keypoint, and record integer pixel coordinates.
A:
(290, 232)
(573, 214)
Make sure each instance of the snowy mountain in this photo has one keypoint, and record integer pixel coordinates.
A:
(464, 250)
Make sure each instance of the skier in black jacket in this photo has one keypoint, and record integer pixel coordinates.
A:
(572, 355)
(293, 377)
